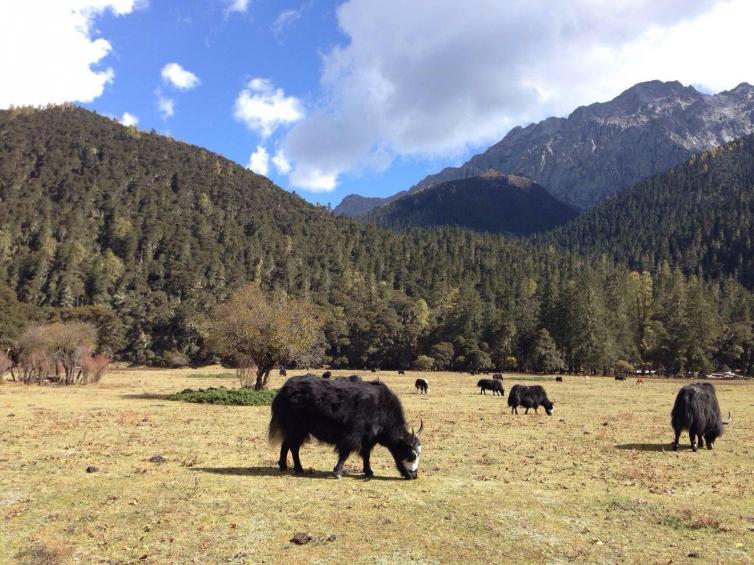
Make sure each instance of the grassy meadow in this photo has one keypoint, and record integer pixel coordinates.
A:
(594, 483)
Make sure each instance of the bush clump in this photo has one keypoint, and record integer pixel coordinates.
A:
(226, 396)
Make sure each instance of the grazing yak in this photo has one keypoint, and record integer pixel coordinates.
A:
(620, 378)
(352, 416)
(422, 386)
(529, 397)
(558, 379)
(498, 376)
(491, 384)
(696, 409)
(327, 375)
(401, 372)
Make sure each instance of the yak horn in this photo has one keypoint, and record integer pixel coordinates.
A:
(729, 420)
(421, 427)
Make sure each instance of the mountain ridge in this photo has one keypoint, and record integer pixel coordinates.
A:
(605, 147)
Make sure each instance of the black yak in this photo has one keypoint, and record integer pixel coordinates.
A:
(696, 409)
(283, 372)
(498, 376)
(352, 416)
(620, 378)
(529, 397)
(401, 372)
(490, 384)
(327, 375)
(558, 379)
(422, 386)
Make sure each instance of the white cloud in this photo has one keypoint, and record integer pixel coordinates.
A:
(239, 6)
(129, 119)
(282, 165)
(259, 162)
(180, 78)
(313, 179)
(429, 79)
(264, 108)
(49, 50)
(166, 106)
(285, 19)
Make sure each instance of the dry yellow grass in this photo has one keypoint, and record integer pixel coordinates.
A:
(595, 482)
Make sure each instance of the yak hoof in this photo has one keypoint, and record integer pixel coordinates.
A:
(299, 471)
(283, 466)
(338, 476)
(693, 448)
(709, 445)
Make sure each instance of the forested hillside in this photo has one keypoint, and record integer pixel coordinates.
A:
(492, 203)
(698, 216)
(142, 234)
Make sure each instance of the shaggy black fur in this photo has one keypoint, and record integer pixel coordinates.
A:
(620, 378)
(529, 397)
(352, 416)
(696, 409)
(491, 384)
(327, 375)
(558, 379)
(422, 386)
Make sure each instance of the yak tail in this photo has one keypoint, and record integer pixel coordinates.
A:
(729, 421)
(275, 433)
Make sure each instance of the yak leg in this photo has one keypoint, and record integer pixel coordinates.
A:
(700, 440)
(692, 439)
(526, 411)
(365, 453)
(283, 461)
(296, 461)
(342, 456)
(536, 409)
(677, 438)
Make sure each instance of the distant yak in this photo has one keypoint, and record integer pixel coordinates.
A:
(498, 376)
(283, 373)
(490, 384)
(620, 378)
(529, 397)
(640, 381)
(696, 410)
(327, 375)
(352, 416)
(422, 386)
(558, 379)
(401, 372)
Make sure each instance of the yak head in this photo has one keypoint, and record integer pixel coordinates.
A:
(549, 407)
(406, 452)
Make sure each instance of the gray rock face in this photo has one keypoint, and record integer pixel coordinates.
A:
(603, 148)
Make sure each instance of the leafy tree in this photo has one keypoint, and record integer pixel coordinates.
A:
(263, 330)
(442, 353)
(544, 356)
(423, 363)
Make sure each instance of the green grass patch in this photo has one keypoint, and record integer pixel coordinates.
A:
(226, 396)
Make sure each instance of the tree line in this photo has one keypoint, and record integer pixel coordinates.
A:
(143, 237)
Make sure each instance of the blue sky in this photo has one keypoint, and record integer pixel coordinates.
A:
(358, 96)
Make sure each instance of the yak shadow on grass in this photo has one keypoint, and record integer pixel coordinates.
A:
(645, 446)
(276, 472)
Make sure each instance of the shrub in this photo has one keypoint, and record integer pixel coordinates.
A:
(174, 359)
(5, 364)
(226, 396)
(423, 363)
(93, 367)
